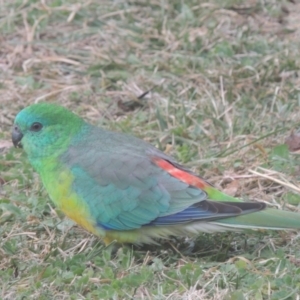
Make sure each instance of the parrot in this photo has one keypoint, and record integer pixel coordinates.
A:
(125, 190)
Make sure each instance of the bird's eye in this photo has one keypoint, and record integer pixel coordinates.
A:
(36, 126)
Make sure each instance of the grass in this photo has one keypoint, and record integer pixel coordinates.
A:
(223, 82)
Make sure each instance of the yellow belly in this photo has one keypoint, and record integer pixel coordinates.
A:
(60, 192)
(59, 187)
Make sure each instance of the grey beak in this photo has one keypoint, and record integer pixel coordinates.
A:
(16, 136)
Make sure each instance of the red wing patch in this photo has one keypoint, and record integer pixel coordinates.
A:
(181, 174)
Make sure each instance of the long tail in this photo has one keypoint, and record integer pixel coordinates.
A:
(269, 218)
(265, 218)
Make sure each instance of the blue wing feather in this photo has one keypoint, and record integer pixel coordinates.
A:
(123, 188)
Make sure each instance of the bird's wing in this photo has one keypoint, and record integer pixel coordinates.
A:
(126, 185)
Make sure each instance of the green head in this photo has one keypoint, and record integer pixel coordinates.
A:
(45, 130)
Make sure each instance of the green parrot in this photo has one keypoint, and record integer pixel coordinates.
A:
(121, 188)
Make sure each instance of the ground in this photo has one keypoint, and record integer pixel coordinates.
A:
(223, 95)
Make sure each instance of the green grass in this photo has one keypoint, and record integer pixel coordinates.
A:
(224, 95)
